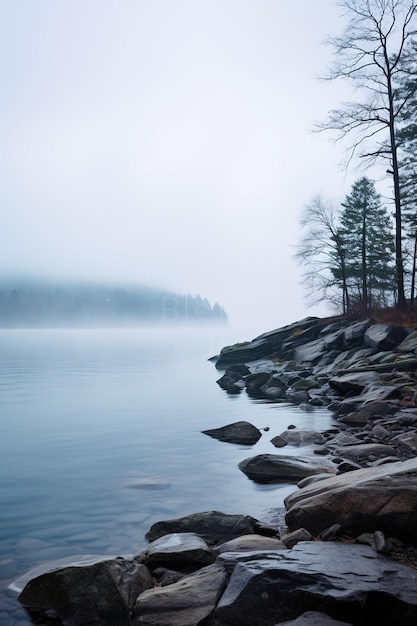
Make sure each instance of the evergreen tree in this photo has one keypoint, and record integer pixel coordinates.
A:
(366, 232)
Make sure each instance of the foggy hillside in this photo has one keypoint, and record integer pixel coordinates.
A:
(33, 303)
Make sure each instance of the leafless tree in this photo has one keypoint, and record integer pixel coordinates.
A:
(321, 254)
(368, 54)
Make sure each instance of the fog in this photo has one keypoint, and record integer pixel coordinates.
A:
(167, 143)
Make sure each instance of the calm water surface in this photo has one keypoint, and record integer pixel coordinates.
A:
(101, 437)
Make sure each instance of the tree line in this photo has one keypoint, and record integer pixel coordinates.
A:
(32, 303)
(360, 253)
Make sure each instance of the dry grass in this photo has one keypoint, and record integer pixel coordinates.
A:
(391, 315)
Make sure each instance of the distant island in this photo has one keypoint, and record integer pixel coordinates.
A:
(44, 303)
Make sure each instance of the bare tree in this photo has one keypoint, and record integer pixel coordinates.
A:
(321, 253)
(369, 54)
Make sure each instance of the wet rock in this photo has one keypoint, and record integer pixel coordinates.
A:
(265, 468)
(186, 550)
(248, 543)
(96, 594)
(184, 603)
(377, 498)
(213, 526)
(231, 382)
(241, 432)
(349, 582)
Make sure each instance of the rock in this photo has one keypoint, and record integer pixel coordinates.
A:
(268, 343)
(407, 440)
(365, 450)
(279, 442)
(214, 527)
(184, 603)
(184, 549)
(301, 437)
(384, 336)
(265, 468)
(254, 383)
(242, 432)
(349, 582)
(248, 543)
(354, 419)
(96, 594)
(314, 618)
(291, 539)
(354, 335)
(409, 344)
(231, 382)
(310, 352)
(378, 498)
(352, 383)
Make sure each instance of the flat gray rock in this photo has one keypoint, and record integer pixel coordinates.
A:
(349, 583)
(265, 468)
(377, 498)
(184, 603)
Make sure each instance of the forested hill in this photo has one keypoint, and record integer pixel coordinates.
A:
(45, 304)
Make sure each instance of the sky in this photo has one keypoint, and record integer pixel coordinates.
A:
(168, 143)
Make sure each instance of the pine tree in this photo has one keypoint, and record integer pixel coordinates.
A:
(369, 246)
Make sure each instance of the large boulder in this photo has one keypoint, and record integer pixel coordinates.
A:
(268, 343)
(239, 432)
(378, 498)
(384, 337)
(351, 583)
(183, 603)
(265, 468)
(95, 594)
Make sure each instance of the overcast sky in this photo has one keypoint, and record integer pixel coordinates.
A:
(167, 142)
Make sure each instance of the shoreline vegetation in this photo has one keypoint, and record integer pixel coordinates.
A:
(344, 550)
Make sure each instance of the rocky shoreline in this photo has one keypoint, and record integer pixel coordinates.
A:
(347, 551)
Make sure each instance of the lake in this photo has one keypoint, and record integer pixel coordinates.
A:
(101, 437)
